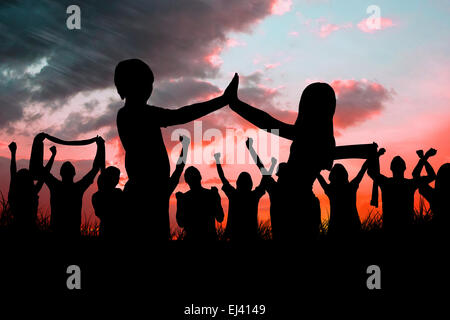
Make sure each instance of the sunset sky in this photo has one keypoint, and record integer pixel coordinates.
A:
(392, 83)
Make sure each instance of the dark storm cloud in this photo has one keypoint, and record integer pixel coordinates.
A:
(174, 37)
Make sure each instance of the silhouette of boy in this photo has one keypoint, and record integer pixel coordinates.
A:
(198, 209)
(108, 203)
(242, 221)
(344, 219)
(23, 193)
(398, 192)
(146, 159)
(66, 196)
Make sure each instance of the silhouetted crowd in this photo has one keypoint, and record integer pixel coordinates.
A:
(141, 210)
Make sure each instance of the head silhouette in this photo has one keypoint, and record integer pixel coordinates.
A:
(317, 103)
(67, 171)
(338, 174)
(244, 182)
(193, 177)
(134, 80)
(281, 171)
(109, 178)
(442, 183)
(398, 166)
(24, 180)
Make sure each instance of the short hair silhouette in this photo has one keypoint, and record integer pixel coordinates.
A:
(398, 165)
(442, 182)
(244, 181)
(192, 176)
(133, 77)
(338, 174)
(110, 177)
(67, 170)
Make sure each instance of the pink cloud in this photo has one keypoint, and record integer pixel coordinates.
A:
(280, 7)
(327, 29)
(358, 100)
(370, 25)
(214, 58)
(293, 33)
(231, 43)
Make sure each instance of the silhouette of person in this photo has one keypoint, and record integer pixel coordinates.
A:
(312, 150)
(146, 159)
(438, 197)
(198, 209)
(398, 192)
(181, 163)
(23, 193)
(108, 203)
(344, 218)
(242, 221)
(66, 196)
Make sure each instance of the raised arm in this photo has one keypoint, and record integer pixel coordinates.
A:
(423, 161)
(13, 166)
(220, 170)
(99, 163)
(194, 111)
(373, 169)
(255, 157)
(181, 163)
(47, 169)
(360, 175)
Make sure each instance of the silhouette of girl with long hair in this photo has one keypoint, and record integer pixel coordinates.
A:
(312, 150)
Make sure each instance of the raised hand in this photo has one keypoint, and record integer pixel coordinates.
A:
(41, 137)
(12, 147)
(430, 153)
(381, 151)
(99, 140)
(420, 153)
(230, 93)
(53, 150)
(217, 157)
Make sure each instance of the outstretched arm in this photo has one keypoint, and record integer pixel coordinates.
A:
(220, 170)
(99, 163)
(47, 169)
(262, 119)
(181, 163)
(360, 175)
(192, 112)
(423, 161)
(13, 167)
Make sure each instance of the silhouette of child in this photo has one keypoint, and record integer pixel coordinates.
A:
(108, 203)
(198, 209)
(312, 134)
(23, 193)
(242, 221)
(398, 192)
(344, 219)
(146, 159)
(66, 196)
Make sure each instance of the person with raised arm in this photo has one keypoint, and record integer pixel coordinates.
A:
(242, 220)
(146, 159)
(66, 196)
(398, 192)
(344, 218)
(23, 195)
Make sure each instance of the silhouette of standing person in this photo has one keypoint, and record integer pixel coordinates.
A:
(198, 209)
(242, 221)
(66, 196)
(311, 151)
(344, 218)
(439, 196)
(398, 192)
(146, 159)
(108, 204)
(23, 193)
